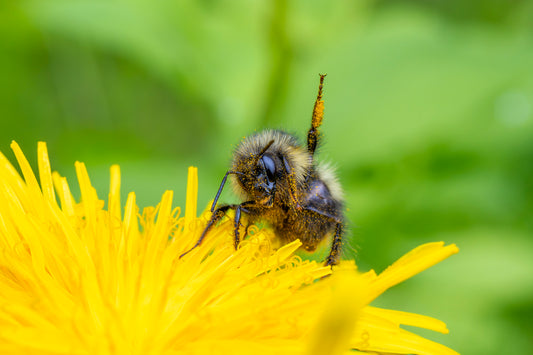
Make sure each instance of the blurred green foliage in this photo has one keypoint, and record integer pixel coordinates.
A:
(429, 120)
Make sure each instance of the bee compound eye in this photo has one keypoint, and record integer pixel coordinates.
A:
(270, 167)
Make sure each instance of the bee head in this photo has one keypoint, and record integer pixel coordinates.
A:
(259, 175)
(261, 164)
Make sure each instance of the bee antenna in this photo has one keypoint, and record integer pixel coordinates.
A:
(222, 186)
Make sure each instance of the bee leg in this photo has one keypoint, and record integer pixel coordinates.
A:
(237, 224)
(316, 120)
(292, 182)
(336, 244)
(246, 229)
(215, 217)
(333, 257)
(237, 221)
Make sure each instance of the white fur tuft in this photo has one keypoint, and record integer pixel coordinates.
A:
(326, 173)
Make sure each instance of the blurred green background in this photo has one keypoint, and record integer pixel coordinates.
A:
(429, 120)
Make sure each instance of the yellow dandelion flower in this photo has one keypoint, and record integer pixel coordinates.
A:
(77, 278)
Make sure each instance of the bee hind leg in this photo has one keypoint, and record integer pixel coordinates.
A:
(336, 244)
(313, 134)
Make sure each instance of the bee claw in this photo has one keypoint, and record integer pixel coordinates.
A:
(331, 261)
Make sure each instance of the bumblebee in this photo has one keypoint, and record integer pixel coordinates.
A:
(281, 184)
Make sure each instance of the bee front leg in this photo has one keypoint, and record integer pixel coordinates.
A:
(215, 217)
(243, 207)
(237, 224)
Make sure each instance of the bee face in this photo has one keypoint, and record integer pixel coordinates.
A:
(261, 162)
(259, 176)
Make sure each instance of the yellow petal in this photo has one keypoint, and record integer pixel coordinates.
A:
(81, 279)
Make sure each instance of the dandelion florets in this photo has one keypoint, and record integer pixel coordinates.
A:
(85, 277)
